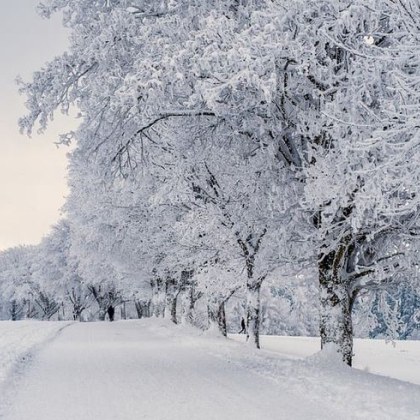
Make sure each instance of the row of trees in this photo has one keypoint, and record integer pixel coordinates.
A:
(224, 142)
(45, 282)
(52, 281)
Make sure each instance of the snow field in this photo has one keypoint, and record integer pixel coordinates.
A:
(395, 359)
(19, 337)
(152, 369)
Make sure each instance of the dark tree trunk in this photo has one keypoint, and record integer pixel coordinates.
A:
(78, 307)
(336, 328)
(253, 313)
(217, 314)
(221, 319)
(14, 311)
(172, 292)
(77, 314)
(250, 250)
(47, 305)
(111, 313)
(139, 309)
(147, 308)
(217, 318)
(174, 302)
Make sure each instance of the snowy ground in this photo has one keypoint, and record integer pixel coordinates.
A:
(396, 359)
(18, 338)
(150, 369)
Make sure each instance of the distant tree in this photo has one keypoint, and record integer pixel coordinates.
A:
(17, 287)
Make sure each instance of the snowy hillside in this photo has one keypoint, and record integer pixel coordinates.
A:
(152, 369)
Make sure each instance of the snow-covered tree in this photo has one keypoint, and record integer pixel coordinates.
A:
(58, 271)
(320, 94)
(17, 287)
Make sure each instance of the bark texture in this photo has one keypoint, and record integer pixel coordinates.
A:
(253, 313)
(336, 326)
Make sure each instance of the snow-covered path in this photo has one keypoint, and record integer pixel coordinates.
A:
(152, 370)
(131, 371)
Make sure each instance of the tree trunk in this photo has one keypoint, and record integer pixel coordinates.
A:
(77, 314)
(190, 314)
(142, 308)
(14, 311)
(147, 308)
(139, 309)
(111, 313)
(221, 319)
(158, 299)
(174, 318)
(217, 318)
(171, 300)
(124, 311)
(31, 310)
(336, 327)
(253, 313)
(253, 287)
(190, 297)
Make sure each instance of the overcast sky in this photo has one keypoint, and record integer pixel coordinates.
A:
(32, 171)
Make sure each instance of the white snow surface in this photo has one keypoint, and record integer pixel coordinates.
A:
(151, 369)
(18, 338)
(395, 359)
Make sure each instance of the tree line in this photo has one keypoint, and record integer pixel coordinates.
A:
(226, 143)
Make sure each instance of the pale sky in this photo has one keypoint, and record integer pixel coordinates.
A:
(32, 171)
